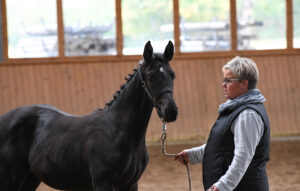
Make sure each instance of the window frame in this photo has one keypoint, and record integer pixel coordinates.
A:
(119, 39)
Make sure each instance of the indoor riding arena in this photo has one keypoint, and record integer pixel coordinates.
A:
(75, 58)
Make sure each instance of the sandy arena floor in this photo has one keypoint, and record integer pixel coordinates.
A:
(163, 174)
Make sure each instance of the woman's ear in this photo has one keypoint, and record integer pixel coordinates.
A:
(244, 84)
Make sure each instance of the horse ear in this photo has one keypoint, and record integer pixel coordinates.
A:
(148, 51)
(169, 51)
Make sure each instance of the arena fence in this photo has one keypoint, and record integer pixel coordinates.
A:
(81, 87)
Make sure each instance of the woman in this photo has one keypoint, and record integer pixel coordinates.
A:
(237, 150)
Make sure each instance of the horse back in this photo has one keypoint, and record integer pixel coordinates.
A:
(18, 127)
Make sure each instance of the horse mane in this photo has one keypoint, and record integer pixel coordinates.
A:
(122, 87)
(155, 56)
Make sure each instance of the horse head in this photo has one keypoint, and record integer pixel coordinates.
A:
(159, 80)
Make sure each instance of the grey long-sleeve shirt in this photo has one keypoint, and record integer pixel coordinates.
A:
(248, 129)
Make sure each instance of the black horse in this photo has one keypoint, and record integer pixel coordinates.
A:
(101, 151)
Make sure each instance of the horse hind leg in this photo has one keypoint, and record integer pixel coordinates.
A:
(16, 176)
(14, 168)
(5, 181)
(10, 177)
(30, 183)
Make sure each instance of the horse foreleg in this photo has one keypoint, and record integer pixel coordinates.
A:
(133, 187)
(103, 183)
(106, 186)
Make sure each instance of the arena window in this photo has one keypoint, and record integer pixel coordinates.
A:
(296, 21)
(65, 29)
(204, 25)
(143, 20)
(261, 24)
(31, 28)
(89, 27)
(1, 40)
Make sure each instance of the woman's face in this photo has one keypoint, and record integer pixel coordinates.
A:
(233, 89)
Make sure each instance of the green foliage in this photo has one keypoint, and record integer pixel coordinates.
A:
(89, 12)
(204, 11)
(273, 14)
(142, 20)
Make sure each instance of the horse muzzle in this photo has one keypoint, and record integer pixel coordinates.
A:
(167, 109)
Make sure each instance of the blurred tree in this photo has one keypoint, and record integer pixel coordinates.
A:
(272, 13)
(142, 19)
(203, 11)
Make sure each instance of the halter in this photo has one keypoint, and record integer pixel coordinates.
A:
(146, 89)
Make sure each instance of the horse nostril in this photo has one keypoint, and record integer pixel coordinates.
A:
(171, 113)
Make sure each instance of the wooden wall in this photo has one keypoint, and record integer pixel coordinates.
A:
(80, 88)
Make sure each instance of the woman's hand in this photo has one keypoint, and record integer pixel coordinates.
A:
(182, 157)
(213, 188)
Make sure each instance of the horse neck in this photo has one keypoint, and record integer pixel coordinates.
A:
(133, 108)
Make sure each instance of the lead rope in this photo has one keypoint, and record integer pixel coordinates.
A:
(164, 152)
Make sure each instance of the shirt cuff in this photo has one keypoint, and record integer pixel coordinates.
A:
(196, 154)
(221, 186)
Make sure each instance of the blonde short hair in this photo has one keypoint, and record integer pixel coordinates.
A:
(244, 69)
